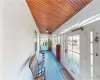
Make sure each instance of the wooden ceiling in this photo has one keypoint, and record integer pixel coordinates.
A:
(51, 14)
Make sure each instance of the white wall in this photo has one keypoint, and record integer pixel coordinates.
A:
(18, 40)
(1, 24)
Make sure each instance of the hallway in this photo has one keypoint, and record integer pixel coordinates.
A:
(67, 31)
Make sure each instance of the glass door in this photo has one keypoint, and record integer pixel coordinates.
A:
(74, 52)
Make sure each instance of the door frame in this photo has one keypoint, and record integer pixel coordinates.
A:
(82, 34)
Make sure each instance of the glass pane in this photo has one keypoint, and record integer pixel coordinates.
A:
(76, 43)
(55, 40)
(46, 41)
(58, 39)
(91, 36)
(91, 60)
(76, 58)
(70, 57)
(42, 41)
(91, 48)
(70, 42)
(73, 52)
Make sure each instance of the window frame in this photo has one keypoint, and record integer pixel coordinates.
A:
(74, 52)
(91, 54)
(78, 32)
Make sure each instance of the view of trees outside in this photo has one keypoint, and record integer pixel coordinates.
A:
(44, 43)
(73, 43)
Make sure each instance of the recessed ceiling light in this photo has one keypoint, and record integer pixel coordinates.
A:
(47, 31)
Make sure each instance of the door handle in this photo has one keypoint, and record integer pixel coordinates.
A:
(97, 54)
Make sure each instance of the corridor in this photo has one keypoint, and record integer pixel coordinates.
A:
(66, 31)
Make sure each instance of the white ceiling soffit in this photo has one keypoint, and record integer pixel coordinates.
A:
(89, 11)
(83, 23)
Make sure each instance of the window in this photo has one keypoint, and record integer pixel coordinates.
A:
(46, 41)
(58, 39)
(53, 42)
(74, 52)
(62, 46)
(35, 41)
(42, 41)
(91, 55)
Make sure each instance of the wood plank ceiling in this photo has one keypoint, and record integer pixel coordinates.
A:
(51, 14)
